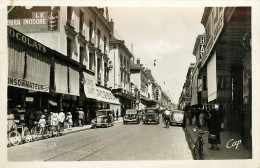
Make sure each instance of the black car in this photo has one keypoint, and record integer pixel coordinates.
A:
(131, 116)
(178, 118)
(151, 115)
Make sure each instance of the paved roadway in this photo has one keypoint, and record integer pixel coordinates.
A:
(120, 142)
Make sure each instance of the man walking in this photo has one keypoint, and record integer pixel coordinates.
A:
(61, 118)
(81, 117)
(117, 114)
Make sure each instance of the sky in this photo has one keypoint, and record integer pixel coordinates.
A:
(166, 35)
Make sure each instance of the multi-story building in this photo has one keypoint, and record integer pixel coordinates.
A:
(79, 67)
(226, 66)
(196, 85)
(186, 94)
(140, 80)
(120, 74)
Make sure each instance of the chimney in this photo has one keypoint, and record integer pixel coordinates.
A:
(111, 24)
(107, 16)
(138, 61)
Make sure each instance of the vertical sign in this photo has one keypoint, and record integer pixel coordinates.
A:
(202, 46)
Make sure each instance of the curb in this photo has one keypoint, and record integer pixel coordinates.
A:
(84, 129)
(190, 142)
(74, 131)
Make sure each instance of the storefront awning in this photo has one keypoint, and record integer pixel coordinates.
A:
(104, 95)
(212, 78)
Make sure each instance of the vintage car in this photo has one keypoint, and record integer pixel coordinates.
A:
(131, 115)
(151, 114)
(178, 118)
(104, 119)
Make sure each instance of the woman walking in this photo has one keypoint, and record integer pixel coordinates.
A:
(214, 125)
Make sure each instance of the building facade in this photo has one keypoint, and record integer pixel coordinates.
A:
(79, 36)
(227, 65)
(120, 74)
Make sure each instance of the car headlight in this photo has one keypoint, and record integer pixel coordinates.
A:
(133, 116)
(126, 116)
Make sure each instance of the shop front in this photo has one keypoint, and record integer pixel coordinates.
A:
(28, 73)
(106, 100)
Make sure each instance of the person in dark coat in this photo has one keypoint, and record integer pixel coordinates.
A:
(214, 126)
(197, 118)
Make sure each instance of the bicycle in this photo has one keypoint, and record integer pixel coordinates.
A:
(198, 146)
(167, 123)
(19, 134)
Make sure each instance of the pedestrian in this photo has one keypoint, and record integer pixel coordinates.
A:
(116, 114)
(10, 120)
(201, 118)
(197, 114)
(190, 116)
(42, 124)
(61, 118)
(81, 117)
(69, 119)
(214, 125)
(75, 117)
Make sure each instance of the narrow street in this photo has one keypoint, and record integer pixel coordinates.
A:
(120, 142)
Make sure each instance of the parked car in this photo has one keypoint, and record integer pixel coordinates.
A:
(131, 115)
(104, 118)
(151, 114)
(178, 118)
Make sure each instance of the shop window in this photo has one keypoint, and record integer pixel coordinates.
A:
(69, 48)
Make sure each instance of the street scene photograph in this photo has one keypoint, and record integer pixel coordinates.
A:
(89, 83)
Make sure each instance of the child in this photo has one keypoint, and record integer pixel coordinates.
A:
(69, 119)
(42, 124)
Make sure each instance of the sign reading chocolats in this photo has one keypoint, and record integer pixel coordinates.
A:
(12, 33)
(21, 83)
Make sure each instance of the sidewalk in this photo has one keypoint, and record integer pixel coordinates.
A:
(227, 151)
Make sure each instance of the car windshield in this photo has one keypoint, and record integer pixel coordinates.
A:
(101, 113)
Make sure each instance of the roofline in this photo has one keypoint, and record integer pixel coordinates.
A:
(205, 15)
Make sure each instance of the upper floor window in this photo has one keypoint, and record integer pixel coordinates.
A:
(91, 61)
(81, 20)
(99, 36)
(121, 59)
(105, 44)
(90, 30)
(204, 80)
(69, 14)
(81, 56)
(69, 47)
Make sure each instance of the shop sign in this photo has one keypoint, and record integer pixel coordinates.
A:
(12, 33)
(105, 95)
(213, 38)
(21, 83)
(89, 85)
(36, 21)
(202, 46)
